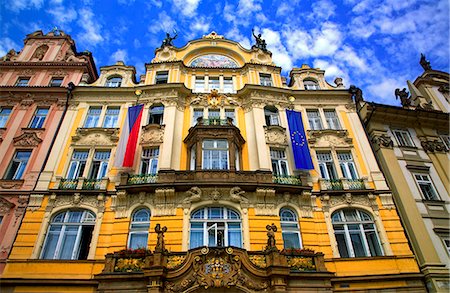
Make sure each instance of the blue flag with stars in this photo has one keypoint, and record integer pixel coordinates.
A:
(302, 156)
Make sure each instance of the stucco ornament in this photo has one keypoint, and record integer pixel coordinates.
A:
(96, 137)
(193, 195)
(276, 136)
(265, 202)
(348, 199)
(5, 206)
(27, 139)
(329, 138)
(237, 195)
(165, 202)
(382, 140)
(431, 145)
(152, 134)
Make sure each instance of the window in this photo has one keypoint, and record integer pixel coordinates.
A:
(279, 162)
(39, 118)
(215, 226)
(426, 186)
(199, 84)
(23, 81)
(355, 233)
(215, 154)
(99, 166)
(77, 164)
(229, 113)
(315, 123)
(347, 165)
(56, 81)
(162, 77)
(115, 81)
(214, 83)
(403, 138)
(228, 85)
(445, 139)
(326, 166)
(446, 241)
(214, 115)
(111, 117)
(4, 115)
(156, 114)
(332, 119)
(140, 223)
(149, 161)
(265, 79)
(18, 165)
(311, 84)
(93, 117)
(271, 114)
(198, 113)
(69, 235)
(290, 229)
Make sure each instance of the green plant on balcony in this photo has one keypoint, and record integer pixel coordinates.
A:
(284, 179)
(142, 179)
(68, 184)
(91, 184)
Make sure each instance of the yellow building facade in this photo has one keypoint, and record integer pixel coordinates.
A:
(213, 199)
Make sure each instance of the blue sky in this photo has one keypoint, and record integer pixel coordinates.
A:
(373, 44)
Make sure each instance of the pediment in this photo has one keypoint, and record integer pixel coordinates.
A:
(5, 206)
(329, 138)
(276, 136)
(152, 134)
(27, 139)
(96, 137)
(213, 100)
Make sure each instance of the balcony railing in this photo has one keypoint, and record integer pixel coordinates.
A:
(68, 183)
(91, 184)
(290, 180)
(335, 184)
(344, 184)
(141, 179)
(356, 184)
(81, 183)
(215, 121)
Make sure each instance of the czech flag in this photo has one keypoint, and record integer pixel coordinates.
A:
(129, 137)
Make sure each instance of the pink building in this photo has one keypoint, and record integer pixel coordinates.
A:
(34, 88)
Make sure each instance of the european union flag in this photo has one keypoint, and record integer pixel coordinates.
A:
(302, 156)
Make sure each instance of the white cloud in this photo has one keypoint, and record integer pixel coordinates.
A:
(119, 55)
(347, 54)
(136, 43)
(62, 15)
(280, 55)
(7, 44)
(383, 90)
(322, 9)
(235, 35)
(91, 34)
(332, 71)
(18, 5)
(164, 24)
(187, 7)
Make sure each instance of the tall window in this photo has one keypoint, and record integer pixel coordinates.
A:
(347, 165)
(199, 84)
(445, 139)
(426, 186)
(290, 229)
(279, 162)
(162, 77)
(69, 235)
(215, 226)
(4, 115)
(77, 164)
(311, 84)
(99, 166)
(355, 233)
(22, 81)
(271, 115)
(93, 117)
(140, 223)
(332, 119)
(111, 117)
(198, 113)
(228, 85)
(326, 166)
(446, 241)
(115, 81)
(17, 166)
(229, 113)
(403, 138)
(156, 114)
(149, 161)
(214, 83)
(215, 154)
(39, 118)
(265, 79)
(315, 123)
(214, 114)
(56, 81)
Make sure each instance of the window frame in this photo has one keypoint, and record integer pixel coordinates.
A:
(152, 158)
(429, 182)
(288, 228)
(210, 160)
(325, 166)
(332, 122)
(113, 81)
(272, 116)
(111, 119)
(52, 84)
(21, 167)
(315, 122)
(78, 162)
(162, 77)
(265, 79)
(138, 230)
(5, 118)
(347, 165)
(403, 138)
(95, 118)
(311, 85)
(20, 81)
(278, 162)
(38, 120)
(156, 116)
(103, 164)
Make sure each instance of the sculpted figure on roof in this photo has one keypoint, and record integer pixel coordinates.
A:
(168, 40)
(260, 42)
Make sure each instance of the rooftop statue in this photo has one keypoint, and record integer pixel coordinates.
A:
(168, 40)
(424, 62)
(356, 93)
(405, 99)
(260, 42)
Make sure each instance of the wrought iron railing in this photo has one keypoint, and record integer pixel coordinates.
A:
(91, 184)
(215, 121)
(290, 180)
(68, 183)
(142, 179)
(355, 184)
(333, 184)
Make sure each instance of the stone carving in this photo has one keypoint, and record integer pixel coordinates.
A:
(431, 146)
(10, 56)
(165, 202)
(27, 139)
(96, 137)
(382, 140)
(356, 93)
(152, 134)
(276, 136)
(212, 35)
(39, 53)
(194, 195)
(265, 202)
(5, 206)
(215, 194)
(424, 62)
(271, 242)
(76, 199)
(35, 201)
(168, 40)
(349, 199)
(258, 260)
(387, 200)
(404, 97)
(260, 42)
(306, 202)
(9, 184)
(329, 138)
(26, 102)
(175, 261)
(237, 195)
(160, 246)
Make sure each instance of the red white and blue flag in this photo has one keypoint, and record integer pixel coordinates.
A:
(129, 137)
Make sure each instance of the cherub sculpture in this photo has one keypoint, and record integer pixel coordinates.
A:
(271, 243)
(160, 246)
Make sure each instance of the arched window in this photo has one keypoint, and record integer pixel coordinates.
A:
(69, 235)
(271, 114)
(215, 226)
(114, 81)
(156, 114)
(355, 233)
(140, 223)
(290, 229)
(311, 84)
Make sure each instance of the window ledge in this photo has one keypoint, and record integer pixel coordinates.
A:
(407, 148)
(433, 201)
(33, 129)
(153, 126)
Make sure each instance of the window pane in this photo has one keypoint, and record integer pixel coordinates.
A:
(52, 241)
(291, 240)
(372, 241)
(234, 238)
(68, 242)
(196, 239)
(138, 240)
(342, 245)
(357, 244)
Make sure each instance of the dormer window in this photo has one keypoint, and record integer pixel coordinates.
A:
(265, 79)
(311, 85)
(23, 81)
(56, 81)
(114, 81)
(162, 77)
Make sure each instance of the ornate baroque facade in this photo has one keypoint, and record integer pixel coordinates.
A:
(213, 200)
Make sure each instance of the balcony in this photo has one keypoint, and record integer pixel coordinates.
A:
(81, 184)
(215, 121)
(289, 180)
(344, 184)
(141, 179)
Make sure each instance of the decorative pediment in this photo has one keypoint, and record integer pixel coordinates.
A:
(152, 134)
(5, 206)
(261, 57)
(213, 100)
(329, 138)
(276, 136)
(165, 54)
(28, 138)
(96, 137)
(214, 60)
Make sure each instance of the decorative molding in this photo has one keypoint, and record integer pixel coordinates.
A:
(75, 200)
(5, 206)
(431, 145)
(329, 138)
(152, 134)
(265, 202)
(165, 202)
(28, 138)
(35, 201)
(276, 136)
(348, 199)
(96, 136)
(382, 140)
(387, 200)
(11, 184)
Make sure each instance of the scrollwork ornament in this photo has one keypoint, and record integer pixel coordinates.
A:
(383, 140)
